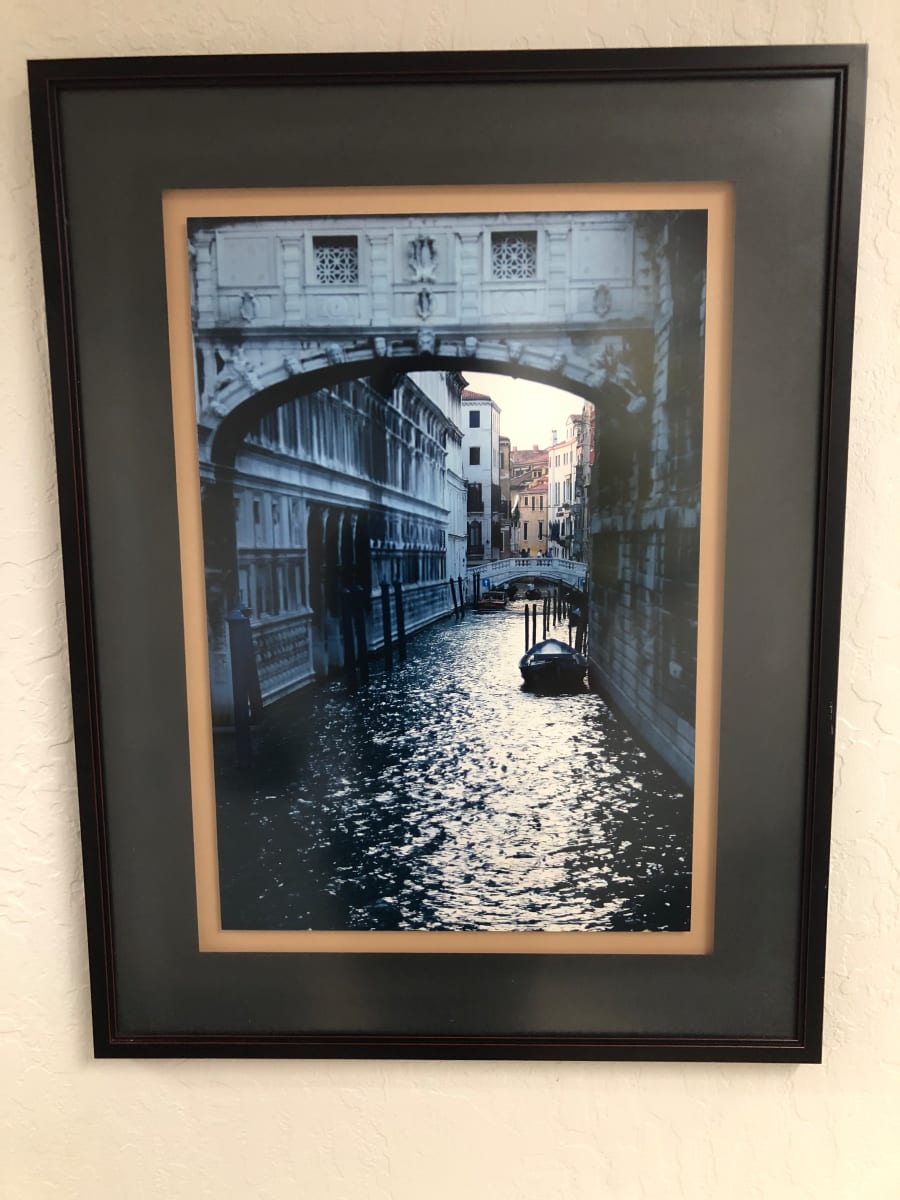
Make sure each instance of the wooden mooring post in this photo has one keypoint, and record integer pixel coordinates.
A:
(359, 626)
(347, 635)
(581, 627)
(401, 624)
(386, 626)
(244, 682)
(453, 597)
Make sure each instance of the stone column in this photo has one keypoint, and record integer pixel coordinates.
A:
(381, 277)
(559, 289)
(292, 266)
(204, 278)
(470, 276)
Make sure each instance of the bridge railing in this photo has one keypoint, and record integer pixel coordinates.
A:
(565, 570)
(527, 565)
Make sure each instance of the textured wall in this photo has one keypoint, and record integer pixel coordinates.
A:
(72, 1127)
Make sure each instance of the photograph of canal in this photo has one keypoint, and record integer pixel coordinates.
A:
(449, 501)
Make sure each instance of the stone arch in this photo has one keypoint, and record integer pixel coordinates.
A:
(226, 425)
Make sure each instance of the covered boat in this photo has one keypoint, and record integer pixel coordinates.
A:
(552, 666)
(489, 601)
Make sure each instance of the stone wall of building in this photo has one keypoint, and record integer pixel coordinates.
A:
(645, 505)
(332, 495)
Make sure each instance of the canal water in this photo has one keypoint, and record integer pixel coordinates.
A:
(444, 796)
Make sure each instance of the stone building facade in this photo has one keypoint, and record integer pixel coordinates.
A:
(481, 465)
(528, 497)
(645, 503)
(341, 490)
(561, 490)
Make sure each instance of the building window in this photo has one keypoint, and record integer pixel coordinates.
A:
(337, 259)
(514, 255)
(540, 530)
(542, 504)
(525, 532)
(474, 456)
(474, 419)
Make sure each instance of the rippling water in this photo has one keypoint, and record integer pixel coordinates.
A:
(443, 796)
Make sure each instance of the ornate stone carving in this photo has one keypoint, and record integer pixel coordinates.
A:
(292, 364)
(558, 362)
(471, 346)
(335, 353)
(237, 368)
(515, 351)
(380, 346)
(424, 304)
(423, 258)
(425, 341)
(249, 309)
(602, 300)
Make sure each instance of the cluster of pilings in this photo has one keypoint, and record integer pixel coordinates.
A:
(353, 629)
(458, 596)
(561, 605)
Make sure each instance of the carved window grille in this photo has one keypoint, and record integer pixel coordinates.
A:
(337, 259)
(514, 255)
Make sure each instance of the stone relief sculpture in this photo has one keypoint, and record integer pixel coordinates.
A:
(237, 368)
(423, 259)
(602, 300)
(424, 304)
(249, 309)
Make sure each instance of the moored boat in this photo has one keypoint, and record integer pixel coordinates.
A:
(551, 665)
(492, 600)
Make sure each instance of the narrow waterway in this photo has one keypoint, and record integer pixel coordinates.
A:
(443, 796)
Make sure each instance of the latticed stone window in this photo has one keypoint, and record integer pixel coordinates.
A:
(337, 259)
(514, 255)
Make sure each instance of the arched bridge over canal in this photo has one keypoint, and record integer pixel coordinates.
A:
(554, 570)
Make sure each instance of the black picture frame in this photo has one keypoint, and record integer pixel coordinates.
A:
(785, 125)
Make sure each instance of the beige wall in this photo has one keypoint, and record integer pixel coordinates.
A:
(72, 1127)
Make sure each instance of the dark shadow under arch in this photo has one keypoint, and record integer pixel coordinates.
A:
(609, 398)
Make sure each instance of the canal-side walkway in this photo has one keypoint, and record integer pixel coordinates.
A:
(443, 796)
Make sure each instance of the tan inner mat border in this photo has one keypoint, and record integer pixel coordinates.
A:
(718, 199)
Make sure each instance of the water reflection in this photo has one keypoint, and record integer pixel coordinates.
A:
(444, 796)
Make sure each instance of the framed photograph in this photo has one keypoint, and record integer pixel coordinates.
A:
(452, 516)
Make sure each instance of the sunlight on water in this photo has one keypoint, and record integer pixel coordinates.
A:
(443, 796)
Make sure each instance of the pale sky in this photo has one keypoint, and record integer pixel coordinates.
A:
(529, 411)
